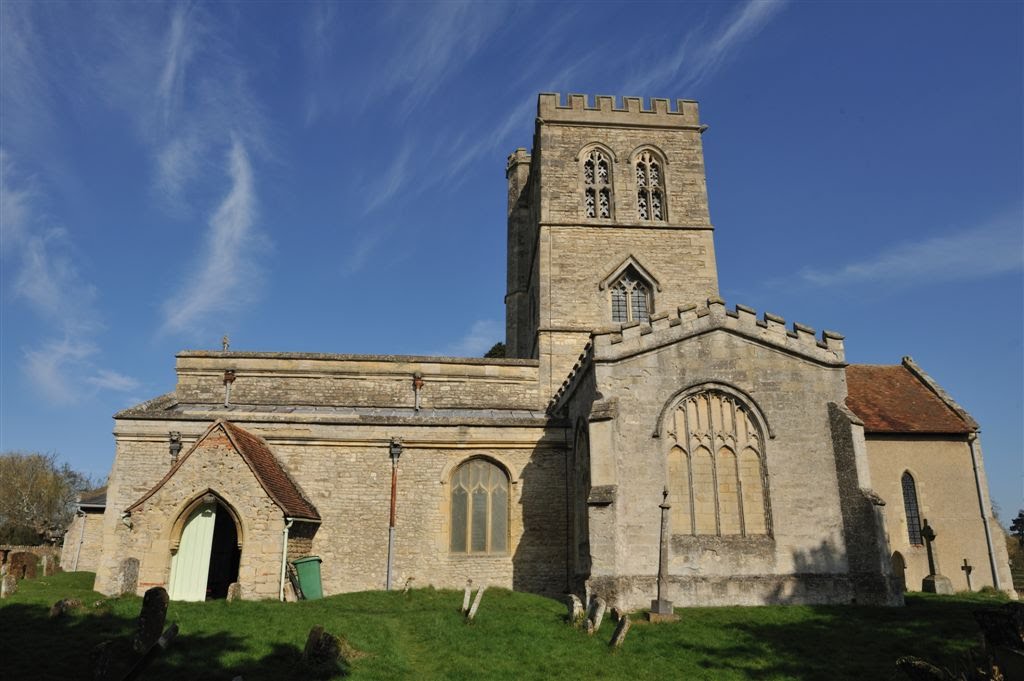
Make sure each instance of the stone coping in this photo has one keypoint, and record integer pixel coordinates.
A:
(326, 356)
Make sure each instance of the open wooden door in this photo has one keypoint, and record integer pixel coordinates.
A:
(190, 566)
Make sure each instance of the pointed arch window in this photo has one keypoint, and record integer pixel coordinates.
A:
(650, 187)
(631, 298)
(717, 479)
(910, 507)
(479, 508)
(597, 188)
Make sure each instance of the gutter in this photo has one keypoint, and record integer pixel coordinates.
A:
(284, 554)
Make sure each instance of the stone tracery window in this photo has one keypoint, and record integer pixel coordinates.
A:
(631, 298)
(911, 509)
(597, 192)
(479, 508)
(716, 472)
(650, 188)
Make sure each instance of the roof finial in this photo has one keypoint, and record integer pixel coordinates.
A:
(225, 342)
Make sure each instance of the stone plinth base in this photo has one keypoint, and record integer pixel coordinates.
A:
(937, 584)
(655, 617)
(662, 611)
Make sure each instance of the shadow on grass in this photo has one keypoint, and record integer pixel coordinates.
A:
(841, 642)
(33, 646)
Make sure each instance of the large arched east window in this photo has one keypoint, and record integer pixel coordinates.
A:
(597, 187)
(716, 472)
(911, 509)
(631, 298)
(479, 513)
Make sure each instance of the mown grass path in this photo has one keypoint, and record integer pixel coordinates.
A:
(516, 636)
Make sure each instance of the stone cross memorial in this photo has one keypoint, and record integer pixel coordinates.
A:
(661, 607)
(934, 583)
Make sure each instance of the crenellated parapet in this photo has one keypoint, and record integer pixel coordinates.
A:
(691, 320)
(617, 341)
(626, 111)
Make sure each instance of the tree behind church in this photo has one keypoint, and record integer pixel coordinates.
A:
(37, 495)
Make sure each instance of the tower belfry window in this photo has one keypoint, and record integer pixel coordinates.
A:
(650, 191)
(597, 199)
(631, 298)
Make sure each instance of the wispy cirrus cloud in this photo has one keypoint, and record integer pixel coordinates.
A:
(992, 248)
(703, 49)
(319, 35)
(483, 334)
(225, 276)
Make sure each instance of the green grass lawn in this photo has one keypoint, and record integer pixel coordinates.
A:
(421, 635)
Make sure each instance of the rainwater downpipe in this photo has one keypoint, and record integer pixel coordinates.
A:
(395, 450)
(284, 554)
(972, 440)
(81, 540)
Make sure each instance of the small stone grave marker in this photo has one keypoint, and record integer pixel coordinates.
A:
(49, 565)
(64, 606)
(151, 620)
(467, 594)
(322, 649)
(594, 623)
(128, 576)
(620, 632)
(8, 585)
(476, 603)
(234, 592)
(575, 609)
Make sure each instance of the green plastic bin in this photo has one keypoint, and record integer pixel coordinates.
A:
(308, 571)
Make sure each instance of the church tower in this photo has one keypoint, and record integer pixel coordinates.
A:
(607, 224)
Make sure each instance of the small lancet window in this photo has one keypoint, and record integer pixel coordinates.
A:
(650, 192)
(631, 298)
(911, 509)
(597, 201)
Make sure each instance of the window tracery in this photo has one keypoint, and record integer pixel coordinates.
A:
(597, 202)
(650, 191)
(631, 298)
(479, 508)
(717, 478)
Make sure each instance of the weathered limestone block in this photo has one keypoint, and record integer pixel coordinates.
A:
(151, 619)
(8, 586)
(128, 576)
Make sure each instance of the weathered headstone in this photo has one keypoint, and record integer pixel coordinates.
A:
(467, 594)
(620, 632)
(322, 649)
(3, 569)
(128, 576)
(99, 656)
(22, 564)
(63, 607)
(408, 585)
(617, 614)
(587, 597)
(49, 565)
(234, 592)
(594, 623)
(575, 610)
(151, 619)
(8, 585)
(968, 569)
(476, 603)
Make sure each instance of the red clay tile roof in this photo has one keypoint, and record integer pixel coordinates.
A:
(261, 461)
(891, 399)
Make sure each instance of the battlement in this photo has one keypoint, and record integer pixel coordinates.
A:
(617, 341)
(627, 111)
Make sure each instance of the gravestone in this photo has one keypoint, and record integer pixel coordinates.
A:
(476, 603)
(594, 623)
(408, 585)
(64, 606)
(49, 565)
(22, 564)
(234, 592)
(467, 594)
(934, 583)
(128, 576)
(322, 649)
(575, 610)
(8, 585)
(151, 620)
(99, 656)
(620, 632)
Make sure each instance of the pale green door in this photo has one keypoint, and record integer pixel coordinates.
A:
(190, 566)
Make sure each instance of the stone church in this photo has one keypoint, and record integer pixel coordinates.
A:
(630, 392)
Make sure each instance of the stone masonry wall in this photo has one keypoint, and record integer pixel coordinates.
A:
(346, 380)
(85, 531)
(947, 498)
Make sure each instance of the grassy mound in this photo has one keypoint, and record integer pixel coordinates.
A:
(421, 635)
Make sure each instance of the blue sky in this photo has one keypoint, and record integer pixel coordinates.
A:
(330, 177)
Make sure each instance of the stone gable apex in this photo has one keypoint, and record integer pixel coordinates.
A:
(261, 461)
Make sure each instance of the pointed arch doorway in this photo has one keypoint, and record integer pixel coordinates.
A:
(206, 560)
